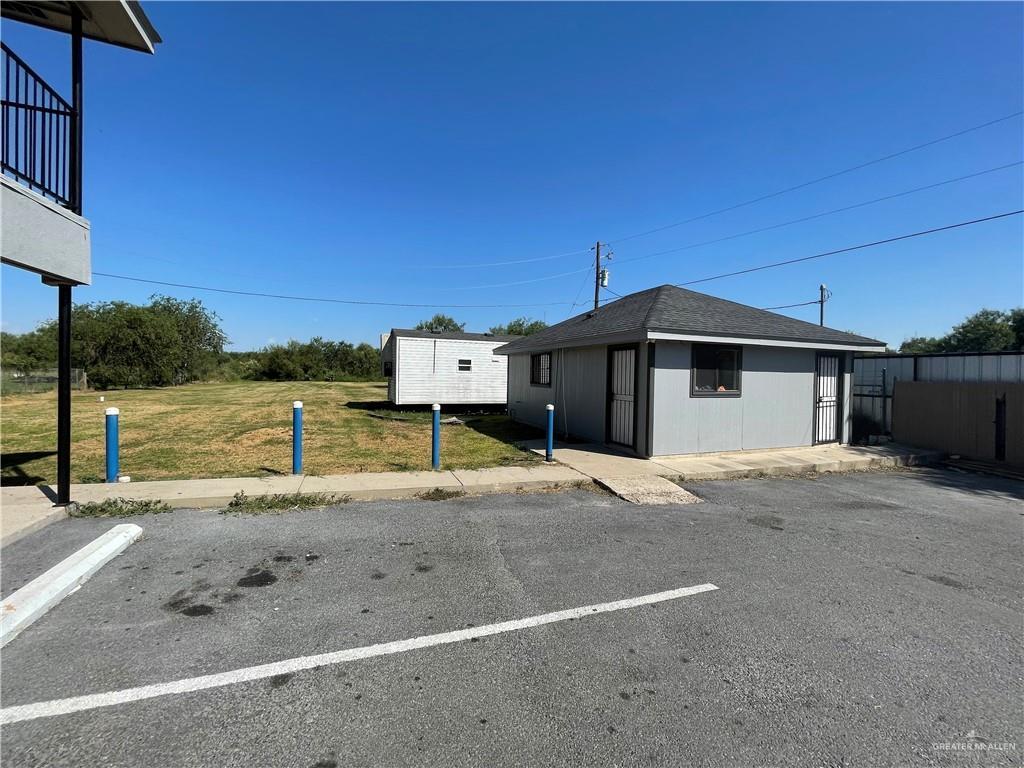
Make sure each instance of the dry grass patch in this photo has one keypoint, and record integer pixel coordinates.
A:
(244, 430)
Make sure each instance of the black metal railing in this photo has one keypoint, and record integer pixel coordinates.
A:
(38, 126)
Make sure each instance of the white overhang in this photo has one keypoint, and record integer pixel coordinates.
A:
(117, 22)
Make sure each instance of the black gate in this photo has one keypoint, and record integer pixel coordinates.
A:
(827, 399)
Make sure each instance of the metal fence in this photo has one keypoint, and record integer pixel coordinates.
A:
(17, 383)
(37, 128)
(875, 376)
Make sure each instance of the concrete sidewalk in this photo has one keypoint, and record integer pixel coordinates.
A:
(24, 509)
(600, 462)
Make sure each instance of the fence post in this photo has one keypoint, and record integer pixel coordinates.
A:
(297, 437)
(113, 460)
(549, 448)
(885, 405)
(435, 443)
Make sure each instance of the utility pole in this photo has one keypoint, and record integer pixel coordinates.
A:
(822, 298)
(597, 274)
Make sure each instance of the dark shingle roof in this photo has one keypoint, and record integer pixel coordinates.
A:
(676, 310)
(460, 335)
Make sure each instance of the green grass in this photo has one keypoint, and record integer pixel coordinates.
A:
(120, 508)
(244, 430)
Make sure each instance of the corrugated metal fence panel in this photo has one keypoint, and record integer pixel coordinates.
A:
(872, 404)
(959, 417)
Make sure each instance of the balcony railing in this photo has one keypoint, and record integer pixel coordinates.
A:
(38, 125)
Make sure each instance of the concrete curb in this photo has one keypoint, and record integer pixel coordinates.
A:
(42, 593)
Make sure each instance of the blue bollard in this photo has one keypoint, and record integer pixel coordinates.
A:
(435, 445)
(113, 460)
(549, 449)
(297, 437)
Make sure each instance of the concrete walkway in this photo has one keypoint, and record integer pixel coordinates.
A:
(601, 463)
(24, 509)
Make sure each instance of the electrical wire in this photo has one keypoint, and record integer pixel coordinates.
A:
(820, 179)
(327, 301)
(788, 306)
(853, 247)
(802, 219)
(743, 204)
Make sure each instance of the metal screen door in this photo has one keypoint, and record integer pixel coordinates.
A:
(826, 399)
(622, 396)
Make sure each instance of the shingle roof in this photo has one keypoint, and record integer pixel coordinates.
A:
(459, 335)
(671, 309)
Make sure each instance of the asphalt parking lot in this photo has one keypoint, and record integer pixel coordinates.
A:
(862, 619)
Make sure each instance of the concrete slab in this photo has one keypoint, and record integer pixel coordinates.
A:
(648, 489)
(380, 485)
(504, 479)
(42, 593)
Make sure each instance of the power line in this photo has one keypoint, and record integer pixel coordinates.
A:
(820, 179)
(853, 248)
(803, 219)
(788, 306)
(327, 301)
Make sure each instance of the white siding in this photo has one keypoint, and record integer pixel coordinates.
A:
(427, 371)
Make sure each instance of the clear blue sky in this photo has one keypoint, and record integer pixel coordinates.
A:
(346, 151)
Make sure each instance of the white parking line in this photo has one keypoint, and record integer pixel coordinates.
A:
(112, 698)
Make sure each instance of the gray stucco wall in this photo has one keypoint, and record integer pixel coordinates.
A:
(40, 236)
(774, 410)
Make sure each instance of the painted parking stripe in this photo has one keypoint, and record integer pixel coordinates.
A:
(113, 698)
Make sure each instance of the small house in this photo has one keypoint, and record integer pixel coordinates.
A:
(450, 368)
(670, 371)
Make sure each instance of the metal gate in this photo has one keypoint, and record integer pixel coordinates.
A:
(622, 395)
(826, 399)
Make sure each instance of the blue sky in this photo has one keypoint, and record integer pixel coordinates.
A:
(349, 151)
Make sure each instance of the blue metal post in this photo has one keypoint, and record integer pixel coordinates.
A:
(549, 449)
(297, 437)
(113, 460)
(435, 444)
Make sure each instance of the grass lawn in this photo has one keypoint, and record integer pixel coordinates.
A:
(244, 429)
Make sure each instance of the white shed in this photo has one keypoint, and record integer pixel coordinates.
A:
(424, 367)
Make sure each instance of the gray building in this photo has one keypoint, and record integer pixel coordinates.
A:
(42, 184)
(670, 371)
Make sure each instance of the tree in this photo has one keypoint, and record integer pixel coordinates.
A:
(920, 345)
(989, 330)
(1017, 324)
(521, 326)
(201, 339)
(441, 323)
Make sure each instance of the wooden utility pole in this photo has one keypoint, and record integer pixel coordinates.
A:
(822, 290)
(597, 274)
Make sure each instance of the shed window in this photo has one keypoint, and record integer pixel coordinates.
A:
(465, 365)
(540, 369)
(716, 370)
(388, 370)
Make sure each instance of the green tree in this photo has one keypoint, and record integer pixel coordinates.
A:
(521, 326)
(441, 323)
(200, 337)
(989, 330)
(920, 345)
(1017, 324)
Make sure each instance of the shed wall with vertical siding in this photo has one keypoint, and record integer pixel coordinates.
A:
(427, 371)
